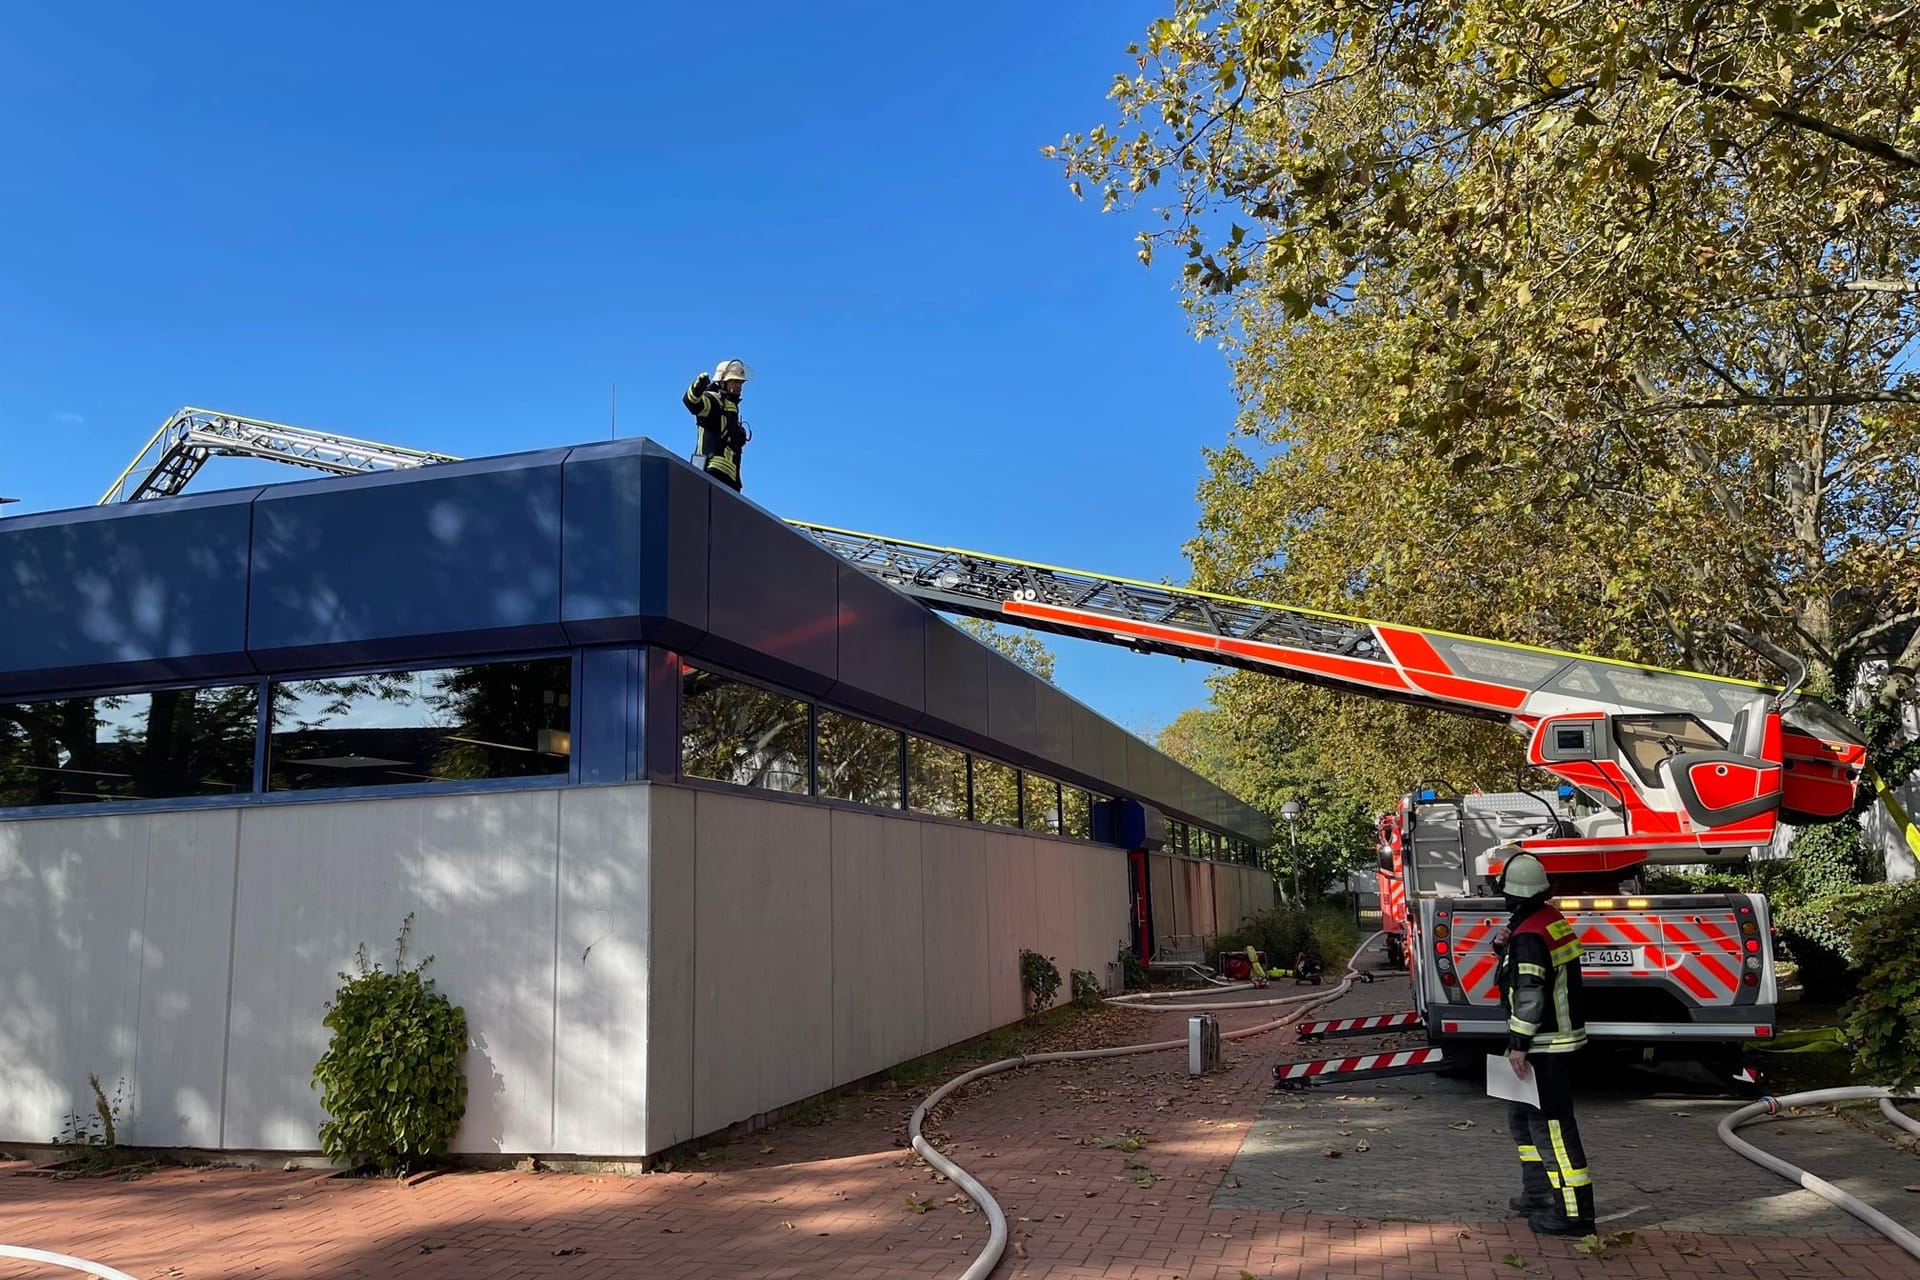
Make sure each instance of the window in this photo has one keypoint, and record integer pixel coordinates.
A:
(741, 733)
(859, 761)
(128, 746)
(996, 793)
(394, 728)
(1076, 813)
(936, 779)
(1040, 804)
(1648, 740)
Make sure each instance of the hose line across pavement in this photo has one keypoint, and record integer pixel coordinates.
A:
(99, 1270)
(1820, 1186)
(989, 1257)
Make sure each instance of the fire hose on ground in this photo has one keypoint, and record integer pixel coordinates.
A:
(989, 1257)
(98, 1270)
(1820, 1186)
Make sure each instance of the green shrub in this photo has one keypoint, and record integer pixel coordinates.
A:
(1039, 978)
(1884, 1018)
(1819, 937)
(1830, 858)
(1282, 933)
(1714, 880)
(1134, 974)
(1086, 988)
(390, 1079)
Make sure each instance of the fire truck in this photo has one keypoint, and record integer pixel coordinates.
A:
(1672, 970)
(1658, 766)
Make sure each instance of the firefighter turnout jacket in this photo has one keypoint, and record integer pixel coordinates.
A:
(1540, 983)
(722, 436)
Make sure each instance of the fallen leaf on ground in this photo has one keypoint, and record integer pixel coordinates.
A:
(1692, 1251)
(1513, 1260)
(1362, 1145)
(568, 1252)
(1331, 1153)
(1461, 1124)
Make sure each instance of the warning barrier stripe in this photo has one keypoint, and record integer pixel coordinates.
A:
(1360, 1026)
(1367, 1064)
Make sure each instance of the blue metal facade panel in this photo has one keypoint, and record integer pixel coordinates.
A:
(610, 721)
(1053, 718)
(620, 502)
(462, 558)
(883, 650)
(772, 599)
(1011, 715)
(956, 684)
(91, 598)
(619, 544)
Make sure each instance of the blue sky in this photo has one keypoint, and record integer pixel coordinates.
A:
(454, 228)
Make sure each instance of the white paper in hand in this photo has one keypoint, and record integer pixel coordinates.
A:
(1503, 1083)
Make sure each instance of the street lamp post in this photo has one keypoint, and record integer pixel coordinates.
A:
(1291, 812)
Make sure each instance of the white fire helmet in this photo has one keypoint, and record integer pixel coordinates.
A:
(1523, 876)
(732, 371)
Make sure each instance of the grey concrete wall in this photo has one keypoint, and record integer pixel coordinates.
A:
(822, 945)
(1198, 899)
(638, 964)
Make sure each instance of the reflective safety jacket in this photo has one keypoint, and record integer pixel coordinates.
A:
(722, 435)
(1540, 983)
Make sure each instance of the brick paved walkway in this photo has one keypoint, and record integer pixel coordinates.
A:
(833, 1200)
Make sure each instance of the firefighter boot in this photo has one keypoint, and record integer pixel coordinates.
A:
(1555, 1223)
(1525, 1206)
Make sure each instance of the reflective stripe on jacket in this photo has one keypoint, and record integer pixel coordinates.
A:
(721, 434)
(1540, 983)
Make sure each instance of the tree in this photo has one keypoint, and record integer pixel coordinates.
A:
(1249, 745)
(1021, 647)
(1579, 325)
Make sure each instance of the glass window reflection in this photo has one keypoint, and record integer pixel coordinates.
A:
(394, 728)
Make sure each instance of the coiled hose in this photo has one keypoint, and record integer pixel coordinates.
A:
(989, 1257)
(1820, 1186)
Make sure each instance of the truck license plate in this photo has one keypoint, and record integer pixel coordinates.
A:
(1610, 957)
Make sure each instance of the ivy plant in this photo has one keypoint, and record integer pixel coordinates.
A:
(1883, 1020)
(391, 1080)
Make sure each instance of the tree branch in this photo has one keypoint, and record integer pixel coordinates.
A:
(1838, 399)
(1879, 148)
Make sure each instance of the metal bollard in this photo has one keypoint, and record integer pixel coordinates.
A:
(1203, 1044)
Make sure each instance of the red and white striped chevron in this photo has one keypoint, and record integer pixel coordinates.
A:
(1406, 1061)
(1378, 1023)
(1698, 949)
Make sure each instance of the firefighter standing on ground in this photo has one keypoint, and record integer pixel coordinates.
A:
(1546, 1025)
(714, 403)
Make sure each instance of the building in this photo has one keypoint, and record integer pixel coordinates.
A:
(696, 820)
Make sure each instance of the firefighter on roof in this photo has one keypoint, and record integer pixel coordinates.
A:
(714, 403)
(1540, 989)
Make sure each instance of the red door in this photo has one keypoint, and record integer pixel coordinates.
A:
(1140, 904)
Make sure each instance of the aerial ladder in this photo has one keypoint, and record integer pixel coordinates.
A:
(187, 440)
(1676, 766)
